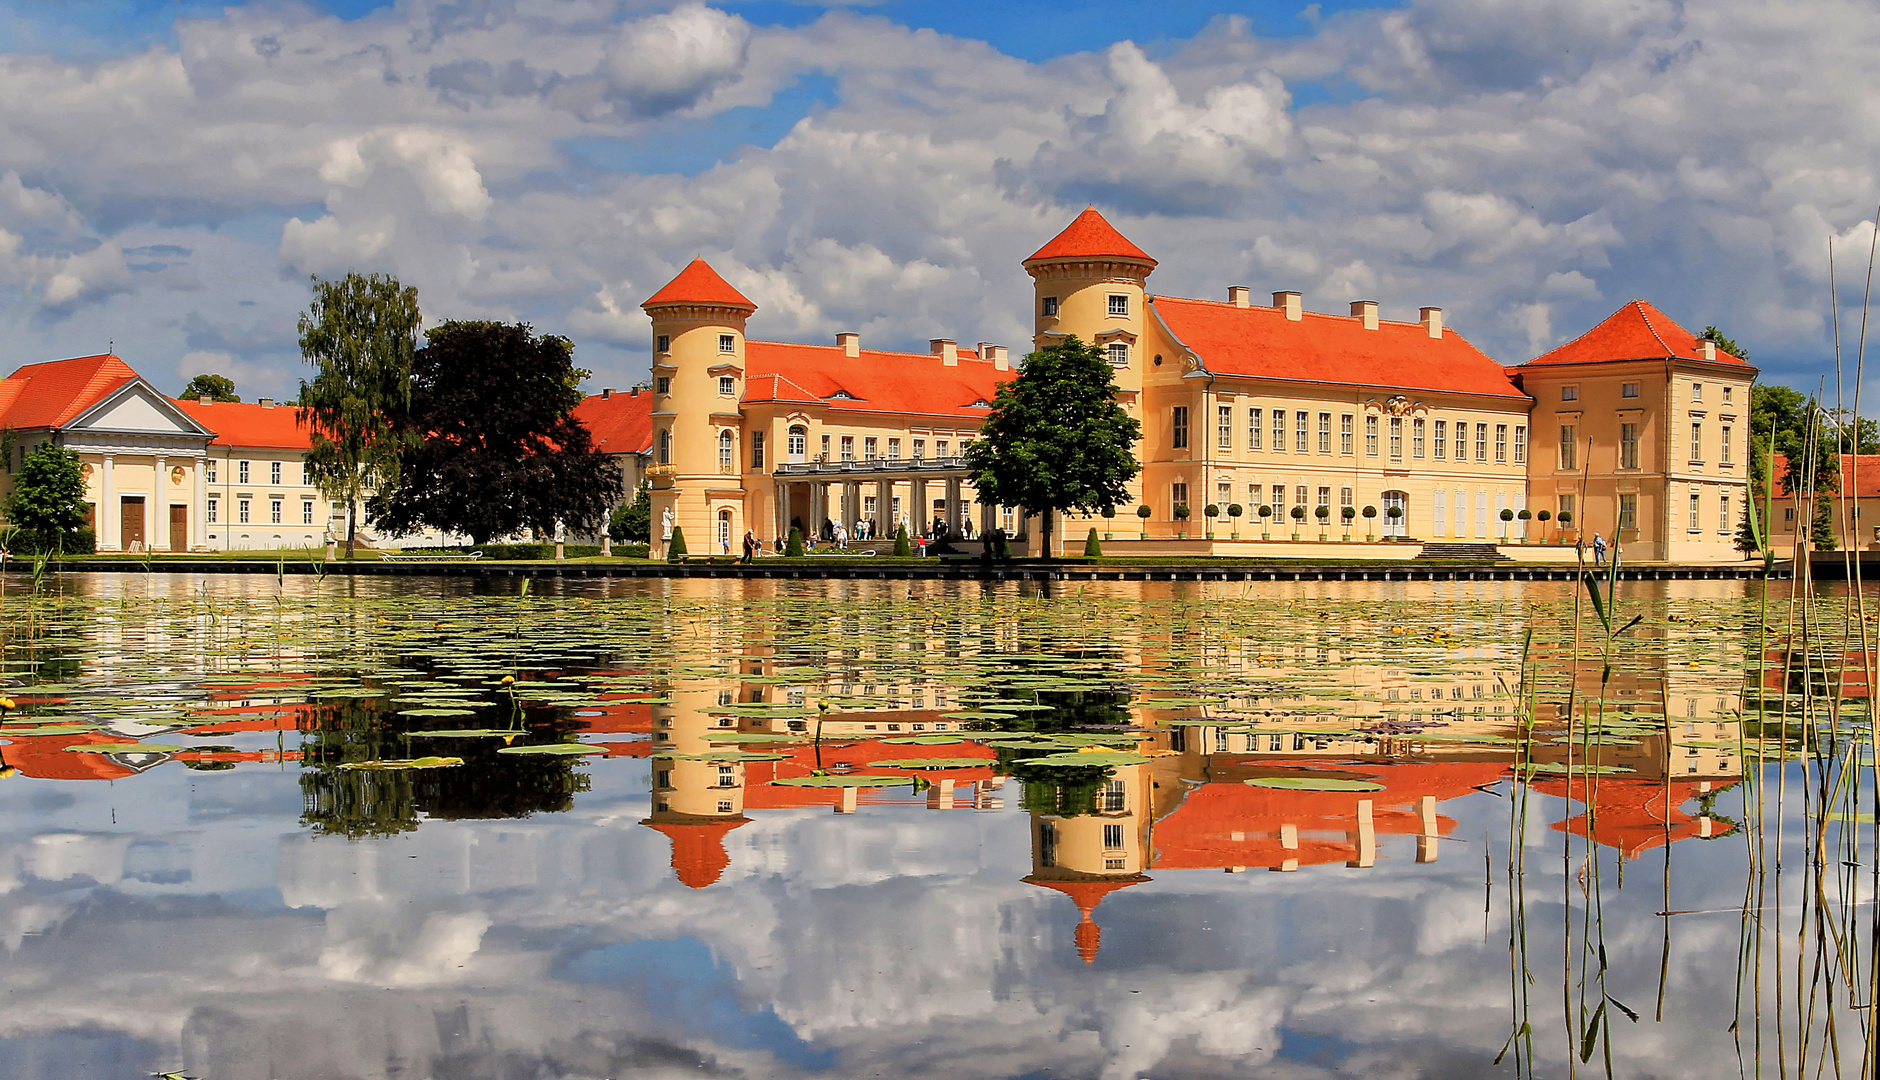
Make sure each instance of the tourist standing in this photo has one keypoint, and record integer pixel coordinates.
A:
(750, 546)
(1599, 550)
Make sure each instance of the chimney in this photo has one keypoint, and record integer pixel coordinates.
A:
(606, 392)
(1707, 348)
(266, 402)
(851, 344)
(1289, 302)
(635, 392)
(1433, 321)
(1366, 310)
(999, 362)
(947, 350)
(205, 399)
(1238, 295)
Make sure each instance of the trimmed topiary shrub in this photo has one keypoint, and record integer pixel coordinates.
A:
(675, 548)
(1092, 547)
(903, 547)
(793, 547)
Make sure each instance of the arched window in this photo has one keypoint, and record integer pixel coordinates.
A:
(725, 463)
(665, 446)
(799, 442)
(757, 450)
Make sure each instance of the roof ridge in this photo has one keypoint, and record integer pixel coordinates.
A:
(1646, 315)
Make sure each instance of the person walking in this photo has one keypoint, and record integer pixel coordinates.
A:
(750, 547)
(1599, 550)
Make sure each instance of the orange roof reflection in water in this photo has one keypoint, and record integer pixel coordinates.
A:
(1635, 816)
(698, 847)
(1087, 894)
(45, 757)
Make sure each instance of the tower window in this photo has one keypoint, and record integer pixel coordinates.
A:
(1119, 354)
(662, 385)
(727, 343)
(1119, 305)
(662, 343)
(727, 385)
(1047, 306)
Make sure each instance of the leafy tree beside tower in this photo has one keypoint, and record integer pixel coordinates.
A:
(214, 387)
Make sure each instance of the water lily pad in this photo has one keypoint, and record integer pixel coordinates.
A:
(565, 749)
(125, 748)
(399, 765)
(932, 763)
(853, 780)
(1105, 759)
(433, 711)
(463, 733)
(1314, 783)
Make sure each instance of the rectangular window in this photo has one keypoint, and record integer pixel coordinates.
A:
(1301, 431)
(1628, 389)
(941, 447)
(241, 511)
(1628, 511)
(1628, 446)
(1501, 444)
(1279, 501)
(825, 448)
(894, 449)
(848, 448)
(868, 448)
(1697, 443)
(1224, 426)
(1223, 494)
(1569, 393)
(1119, 354)
(1178, 425)
(1325, 496)
(1119, 304)
(662, 343)
(215, 510)
(1047, 306)
(920, 449)
(1416, 437)
(1345, 437)
(1520, 444)
(1569, 447)
(1299, 495)
(1255, 421)
(1697, 392)
(727, 343)
(208, 471)
(1481, 442)
(757, 449)
(306, 511)
(274, 511)
(1441, 449)
(1726, 395)
(662, 385)
(306, 475)
(1325, 433)
(1439, 512)
(1696, 503)
(1344, 497)
(241, 472)
(1279, 430)
(1566, 507)
(1370, 435)
(726, 386)
(1723, 453)
(1396, 436)
(1178, 495)
(1723, 513)
(1112, 836)
(274, 473)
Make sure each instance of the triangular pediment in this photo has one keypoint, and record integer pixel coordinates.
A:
(137, 407)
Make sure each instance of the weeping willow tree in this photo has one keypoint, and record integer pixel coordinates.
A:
(360, 334)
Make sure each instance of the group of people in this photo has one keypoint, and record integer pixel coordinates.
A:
(1599, 549)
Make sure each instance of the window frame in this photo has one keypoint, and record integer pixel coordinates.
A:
(1347, 434)
(1178, 427)
(1116, 305)
(728, 344)
(1224, 427)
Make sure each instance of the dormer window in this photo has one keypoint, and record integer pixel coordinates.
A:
(1119, 354)
(1119, 304)
(980, 403)
(662, 343)
(727, 386)
(727, 343)
(840, 395)
(1048, 307)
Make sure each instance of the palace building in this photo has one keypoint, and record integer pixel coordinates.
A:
(1637, 430)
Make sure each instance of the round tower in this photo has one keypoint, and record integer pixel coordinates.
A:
(698, 344)
(1090, 281)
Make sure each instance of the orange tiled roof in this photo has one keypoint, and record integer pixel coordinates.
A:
(1866, 476)
(698, 847)
(1637, 331)
(1090, 236)
(620, 424)
(698, 283)
(1260, 342)
(875, 381)
(51, 394)
(244, 423)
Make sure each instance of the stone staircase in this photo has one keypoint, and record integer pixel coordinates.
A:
(1471, 552)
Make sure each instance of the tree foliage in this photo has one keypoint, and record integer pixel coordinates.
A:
(215, 387)
(47, 503)
(1711, 333)
(495, 445)
(360, 334)
(1056, 439)
(633, 521)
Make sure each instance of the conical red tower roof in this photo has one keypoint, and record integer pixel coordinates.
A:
(1090, 237)
(698, 283)
(1087, 894)
(698, 848)
(1637, 331)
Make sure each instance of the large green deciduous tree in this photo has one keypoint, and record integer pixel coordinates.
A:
(497, 448)
(1056, 439)
(47, 503)
(213, 387)
(359, 333)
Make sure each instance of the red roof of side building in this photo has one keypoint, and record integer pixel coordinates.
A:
(620, 423)
(1637, 331)
(246, 424)
(51, 394)
(1090, 236)
(1862, 473)
(698, 283)
(1260, 342)
(875, 381)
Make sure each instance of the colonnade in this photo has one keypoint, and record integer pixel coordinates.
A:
(816, 500)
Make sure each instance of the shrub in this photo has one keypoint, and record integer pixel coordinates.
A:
(1507, 514)
(1144, 512)
(82, 541)
(793, 547)
(1566, 517)
(1234, 510)
(1348, 512)
(1322, 512)
(1526, 515)
(1092, 547)
(675, 548)
(1109, 511)
(1181, 512)
(1298, 513)
(1370, 512)
(1266, 511)
(1545, 515)
(1213, 510)
(903, 547)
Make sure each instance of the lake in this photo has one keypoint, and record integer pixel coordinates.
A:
(360, 827)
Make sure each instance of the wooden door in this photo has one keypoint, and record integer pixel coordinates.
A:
(179, 528)
(131, 520)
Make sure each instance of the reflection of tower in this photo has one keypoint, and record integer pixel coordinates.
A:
(1089, 856)
(696, 801)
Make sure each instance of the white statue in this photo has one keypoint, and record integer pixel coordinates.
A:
(665, 523)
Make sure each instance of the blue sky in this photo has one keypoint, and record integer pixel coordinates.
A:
(175, 169)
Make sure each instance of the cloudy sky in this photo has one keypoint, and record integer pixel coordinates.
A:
(172, 171)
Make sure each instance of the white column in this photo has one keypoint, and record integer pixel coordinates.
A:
(107, 509)
(783, 512)
(199, 507)
(956, 514)
(851, 504)
(919, 514)
(159, 512)
(884, 509)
